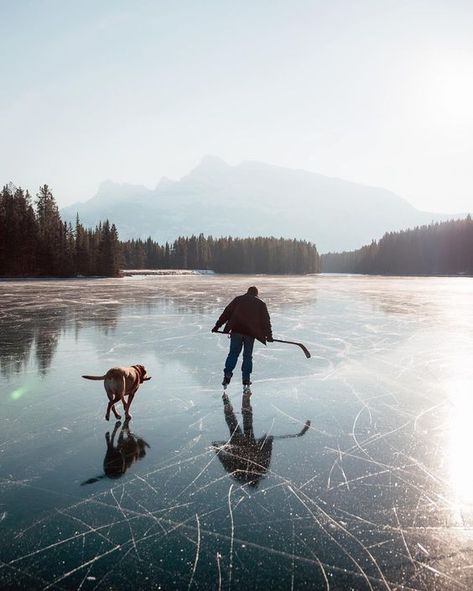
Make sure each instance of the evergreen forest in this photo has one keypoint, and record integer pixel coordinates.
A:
(443, 248)
(224, 255)
(34, 241)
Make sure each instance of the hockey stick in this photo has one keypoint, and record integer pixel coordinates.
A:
(303, 347)
(300, 434)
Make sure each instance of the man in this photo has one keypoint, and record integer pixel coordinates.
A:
(246, 318)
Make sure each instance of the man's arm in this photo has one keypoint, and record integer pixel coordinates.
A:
(268, 330)
(225, 315)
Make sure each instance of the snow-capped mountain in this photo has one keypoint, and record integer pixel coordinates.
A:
(252, 199)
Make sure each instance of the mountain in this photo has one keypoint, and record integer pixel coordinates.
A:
(252, 199)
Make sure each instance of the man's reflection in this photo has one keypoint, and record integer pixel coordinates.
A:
(243, 456)
(128, 449)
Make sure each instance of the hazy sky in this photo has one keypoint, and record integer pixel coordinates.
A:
(379, 92)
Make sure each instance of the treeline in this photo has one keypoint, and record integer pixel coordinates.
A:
(34, 241)
(224, 255)
(443, 248)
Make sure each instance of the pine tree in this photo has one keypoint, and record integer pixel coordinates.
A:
(50, 232)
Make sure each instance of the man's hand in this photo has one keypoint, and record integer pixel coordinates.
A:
(269, 339)
(214, 329)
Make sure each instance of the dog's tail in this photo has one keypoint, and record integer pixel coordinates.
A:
(94, 377)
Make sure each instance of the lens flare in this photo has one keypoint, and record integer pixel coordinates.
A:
(18, 393)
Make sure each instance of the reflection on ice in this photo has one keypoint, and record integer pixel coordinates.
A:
(244, 457)
(120, 454)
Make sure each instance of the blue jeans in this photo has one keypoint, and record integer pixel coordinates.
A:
(237, 343)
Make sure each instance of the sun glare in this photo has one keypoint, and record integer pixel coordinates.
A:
(449, 89)
(460, 440)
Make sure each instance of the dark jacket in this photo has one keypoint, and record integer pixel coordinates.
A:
(248, 315)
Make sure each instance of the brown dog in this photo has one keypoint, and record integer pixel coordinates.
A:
(120, 382)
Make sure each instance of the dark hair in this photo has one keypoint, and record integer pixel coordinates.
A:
(252, 290)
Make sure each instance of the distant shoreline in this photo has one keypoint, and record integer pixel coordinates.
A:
(191, 273)
(164, 272)
(123, 273)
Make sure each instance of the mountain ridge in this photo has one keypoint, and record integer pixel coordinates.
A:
(252, 198)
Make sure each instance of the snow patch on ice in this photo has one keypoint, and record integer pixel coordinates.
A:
(138, 272)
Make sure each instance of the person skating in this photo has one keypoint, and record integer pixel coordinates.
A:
(246, 318)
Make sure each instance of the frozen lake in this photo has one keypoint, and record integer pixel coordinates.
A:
(376, 494)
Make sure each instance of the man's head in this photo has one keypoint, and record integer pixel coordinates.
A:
(252, 291)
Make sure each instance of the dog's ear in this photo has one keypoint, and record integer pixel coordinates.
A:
(142, 371)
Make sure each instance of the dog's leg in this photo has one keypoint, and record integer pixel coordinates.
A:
(111, 388)
(120, 395)
(124, 406)
(127, 407)
(108, 390)
(109, 406)
(114, 410)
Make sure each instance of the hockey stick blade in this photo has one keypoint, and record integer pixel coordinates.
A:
(303, 347)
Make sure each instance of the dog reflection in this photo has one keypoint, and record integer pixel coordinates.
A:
(129, 448)
(244, 457)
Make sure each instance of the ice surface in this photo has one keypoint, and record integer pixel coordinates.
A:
(200, 492)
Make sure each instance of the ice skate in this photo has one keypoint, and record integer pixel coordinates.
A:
(226, 381)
